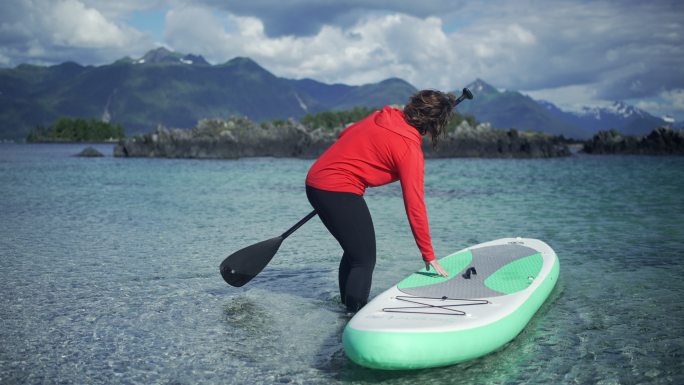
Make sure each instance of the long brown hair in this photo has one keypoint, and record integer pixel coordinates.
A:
(430, 111)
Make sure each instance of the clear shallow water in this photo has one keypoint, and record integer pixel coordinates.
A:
(109, 269)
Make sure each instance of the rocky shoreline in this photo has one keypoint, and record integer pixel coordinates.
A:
(238, 138)
(661, 141)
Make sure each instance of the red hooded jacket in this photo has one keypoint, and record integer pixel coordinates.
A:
(375, 151)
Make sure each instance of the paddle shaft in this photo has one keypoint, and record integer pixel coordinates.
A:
(298, 224)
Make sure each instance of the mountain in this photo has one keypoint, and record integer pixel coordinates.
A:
(620, 116)
(511, 109)
(171, 89)
(392, 91)
(162, 55)
(142, 94)
(627, 119)
(177, 90)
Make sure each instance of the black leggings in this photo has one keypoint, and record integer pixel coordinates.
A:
(347, 218)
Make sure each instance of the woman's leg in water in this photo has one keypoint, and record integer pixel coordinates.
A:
(348, 219)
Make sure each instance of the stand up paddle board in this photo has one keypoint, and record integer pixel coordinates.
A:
(492, 292)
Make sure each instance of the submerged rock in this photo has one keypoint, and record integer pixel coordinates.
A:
(90, 152)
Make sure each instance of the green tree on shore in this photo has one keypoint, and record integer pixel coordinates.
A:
(76, 130)
(330, 120)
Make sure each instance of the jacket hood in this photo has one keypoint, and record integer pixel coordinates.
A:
(393, 119)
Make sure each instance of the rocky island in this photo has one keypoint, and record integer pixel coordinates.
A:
(661, 141)
(239, 137)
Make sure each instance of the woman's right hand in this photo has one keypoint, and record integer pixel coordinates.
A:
(438, 268)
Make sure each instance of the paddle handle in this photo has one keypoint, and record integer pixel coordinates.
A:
(298, 224)
(465, 95)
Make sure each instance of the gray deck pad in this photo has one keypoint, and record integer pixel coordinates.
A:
(486, 261)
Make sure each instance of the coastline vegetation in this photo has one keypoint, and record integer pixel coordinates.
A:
(66, 129)
(332, 120)
(238, 137)
(661, 141)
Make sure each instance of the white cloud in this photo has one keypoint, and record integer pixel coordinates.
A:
(669, 102)
(371, 50)
(570, 98)
(76, 25)
(4, 60)
(44, 31)
(375, 48)
(569, 52)
(120, 9)
(500, 41)
(674, 97)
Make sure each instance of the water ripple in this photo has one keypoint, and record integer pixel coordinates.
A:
(109, 269)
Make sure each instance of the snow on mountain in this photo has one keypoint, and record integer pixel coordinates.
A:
(617, 109)
(163, 55)
(618, 115)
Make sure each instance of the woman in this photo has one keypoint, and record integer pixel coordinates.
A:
(380, 149)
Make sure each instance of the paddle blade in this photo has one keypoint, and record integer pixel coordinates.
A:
(243, 265)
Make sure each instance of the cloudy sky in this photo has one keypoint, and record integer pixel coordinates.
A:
(570, 52)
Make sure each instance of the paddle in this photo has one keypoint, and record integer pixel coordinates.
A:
(243, 265)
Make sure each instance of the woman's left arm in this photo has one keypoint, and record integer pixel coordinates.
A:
(411, 176)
